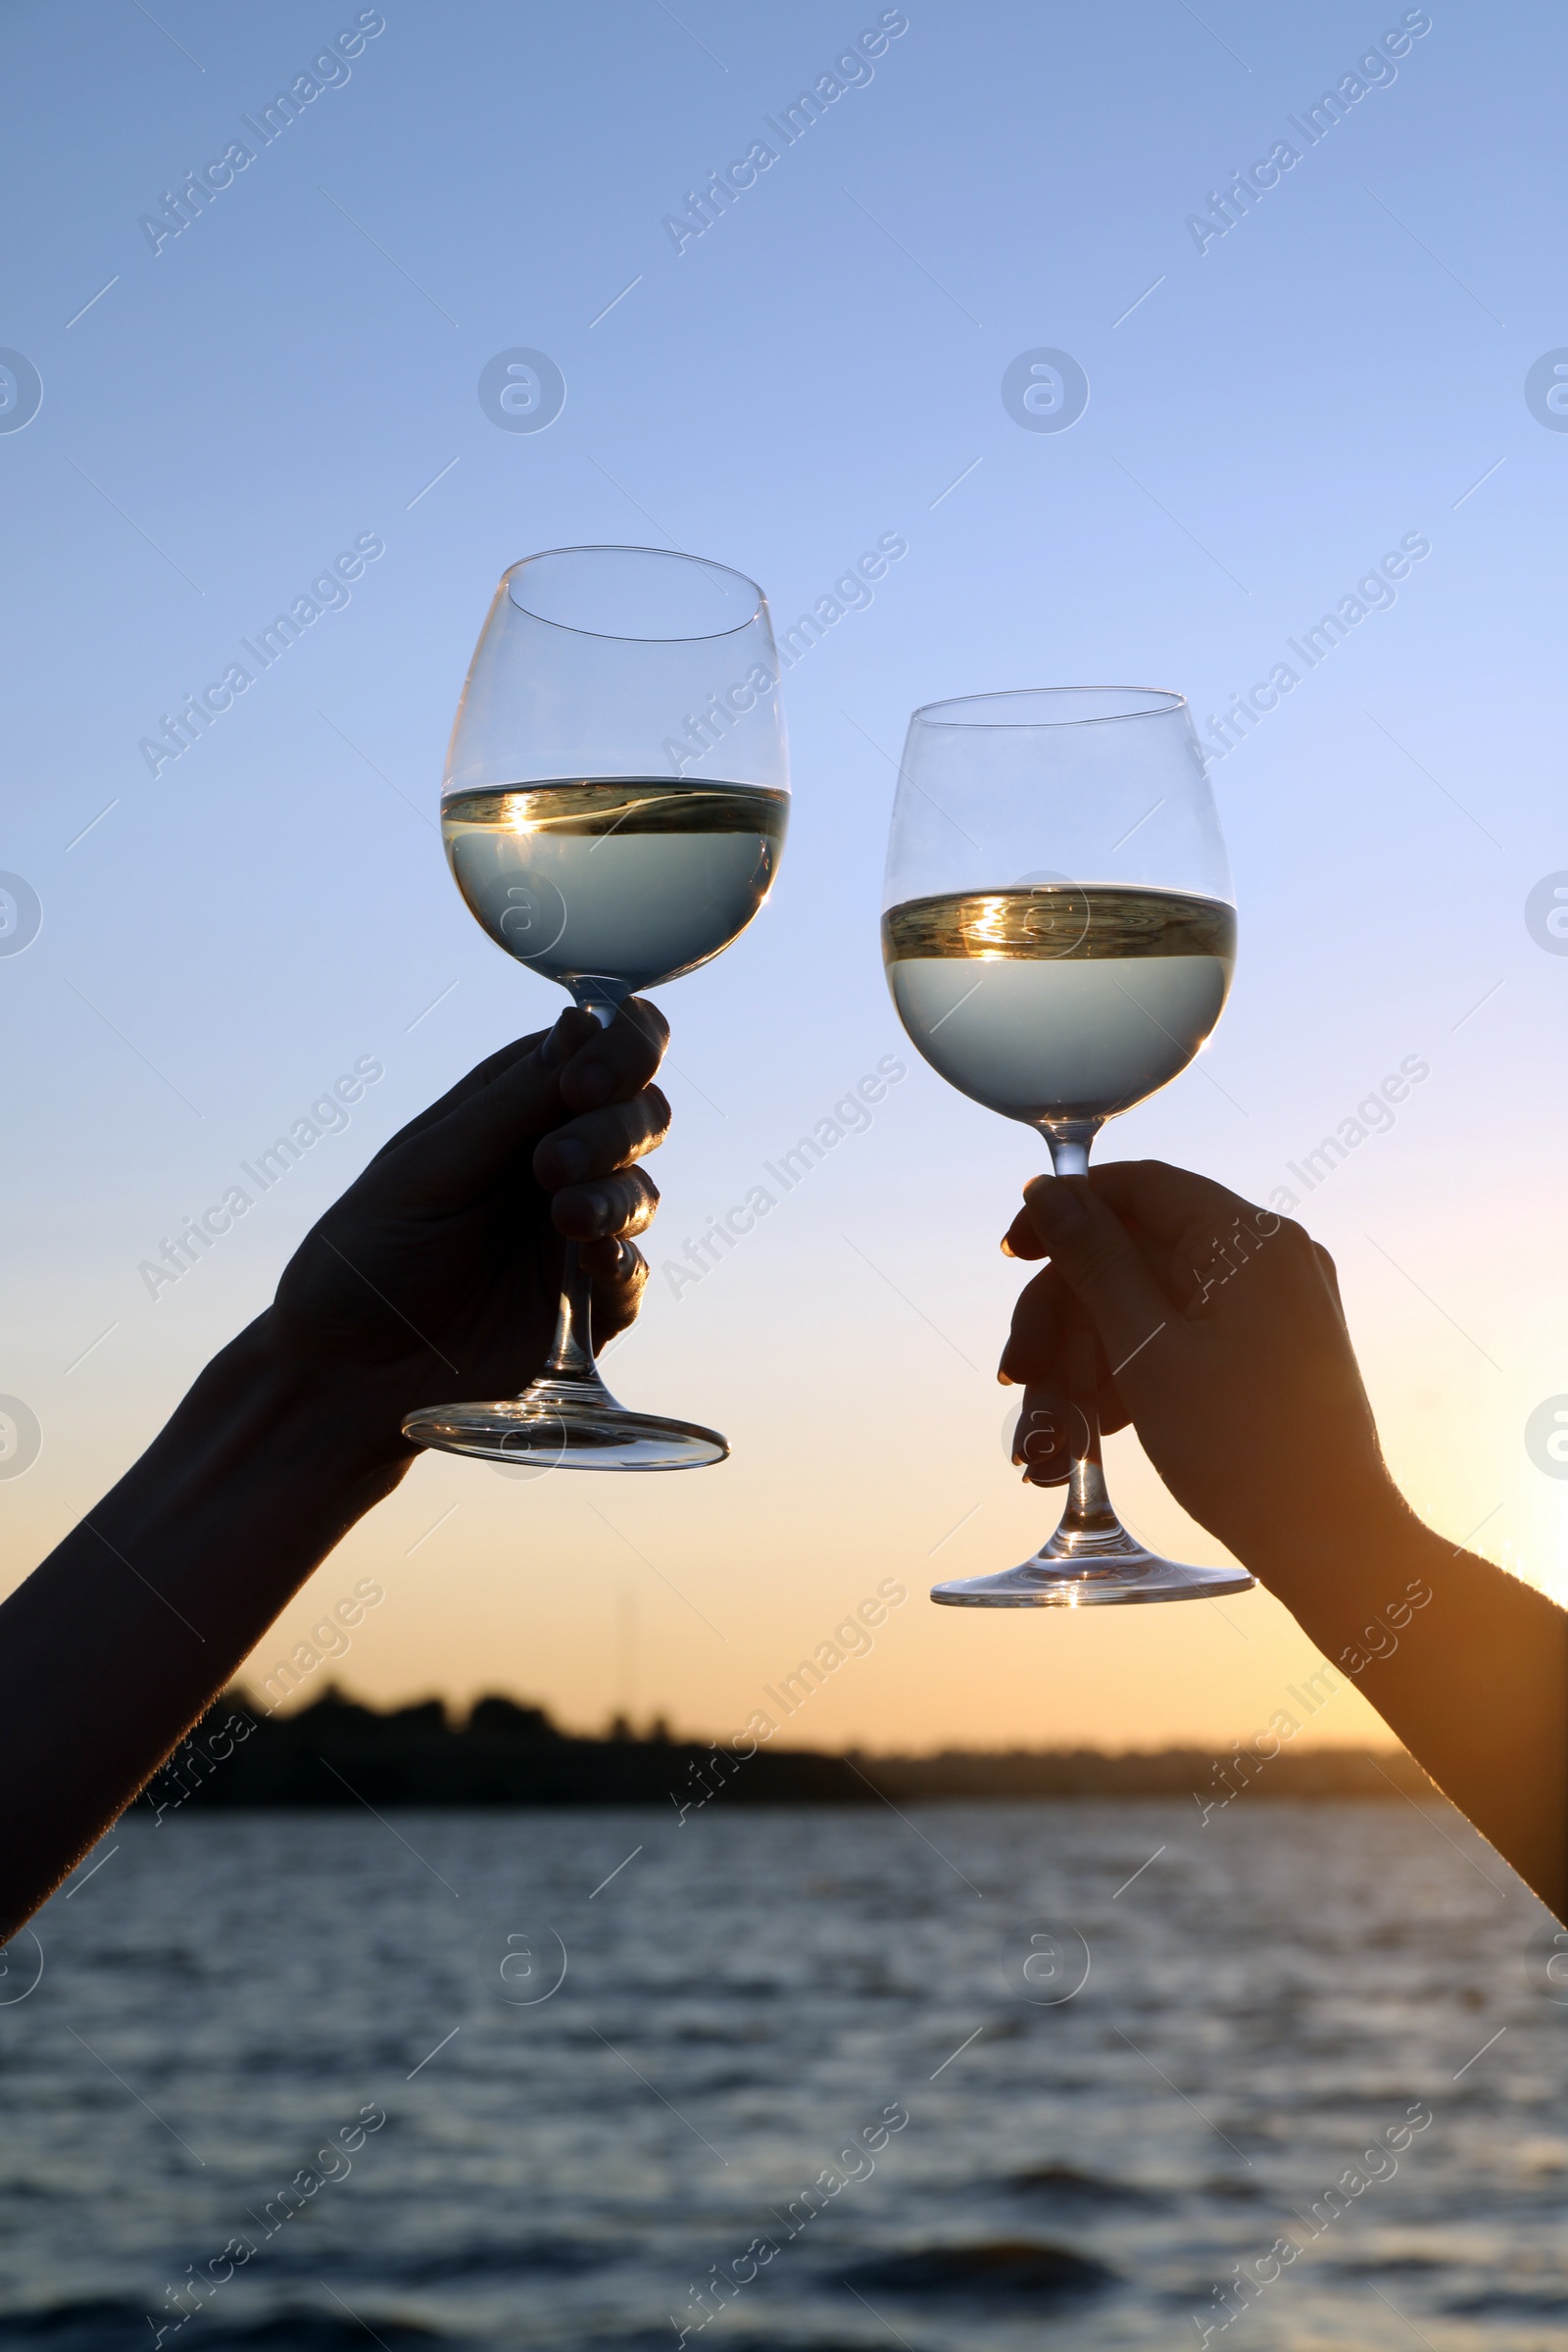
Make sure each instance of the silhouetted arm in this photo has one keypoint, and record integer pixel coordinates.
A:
(1237, 1373)
(435, 1277)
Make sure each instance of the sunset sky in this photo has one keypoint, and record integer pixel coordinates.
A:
(1271, 411)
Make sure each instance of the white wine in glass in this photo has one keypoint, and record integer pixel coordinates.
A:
(1059, 995)
(640, 876)
(614, 805)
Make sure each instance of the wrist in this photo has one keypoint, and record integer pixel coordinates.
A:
(1330, 1570)
(327, 1413)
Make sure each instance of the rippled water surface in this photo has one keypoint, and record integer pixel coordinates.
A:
(749, 1998)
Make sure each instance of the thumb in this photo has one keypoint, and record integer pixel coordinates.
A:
(457, 1158)
(1096, 1256)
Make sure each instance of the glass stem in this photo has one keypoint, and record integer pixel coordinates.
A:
(571, 1350)
(1089, 1512)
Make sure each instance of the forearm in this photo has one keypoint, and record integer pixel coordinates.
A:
(1473, 1678)
(121, 1638)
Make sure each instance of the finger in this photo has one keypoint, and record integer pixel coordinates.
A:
(1102, 1266)
(609, 1065)
(456, 1158)
(1112, 1411)
(1175, 1199)
(456, 1149)
(1052, 1429)
(1021, 1240)
(1045, 1302)
(483, 1074)
(616, 1207)
(1039, 1322)
(1166, 1201)
(602, 1141)
(617, 1273)
(453, 1153)
(574, 1028)
(1040, 1357)
(1330, 1275)
(1042, 1436)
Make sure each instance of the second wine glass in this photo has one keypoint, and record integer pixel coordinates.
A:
(1060, 937)
(613, 810)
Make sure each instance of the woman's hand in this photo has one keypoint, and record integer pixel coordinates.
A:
(436, 1277)
(1217, 1331)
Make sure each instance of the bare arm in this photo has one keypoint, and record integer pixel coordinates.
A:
(435, 1276)
(1237, 1373)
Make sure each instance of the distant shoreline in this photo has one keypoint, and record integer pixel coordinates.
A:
(336, 1752)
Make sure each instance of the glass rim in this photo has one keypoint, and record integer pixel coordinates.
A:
(1159, 702)
(669, 554)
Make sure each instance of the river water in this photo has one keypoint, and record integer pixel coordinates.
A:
(965, 2079)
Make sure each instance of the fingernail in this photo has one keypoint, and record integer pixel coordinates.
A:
(571, 1157)
(1007, 1250)
(1055, 1207)
(598, 1203)
(1006, 1380)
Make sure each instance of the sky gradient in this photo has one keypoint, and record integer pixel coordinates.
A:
(1290, 387)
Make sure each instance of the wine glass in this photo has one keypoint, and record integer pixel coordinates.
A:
(1061, 994)
(614, 808)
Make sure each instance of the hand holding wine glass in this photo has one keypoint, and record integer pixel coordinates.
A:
(1252, 1405)
(442, 1258)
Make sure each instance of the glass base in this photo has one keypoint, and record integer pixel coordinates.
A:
(1091, 1571)
(560, 1424)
